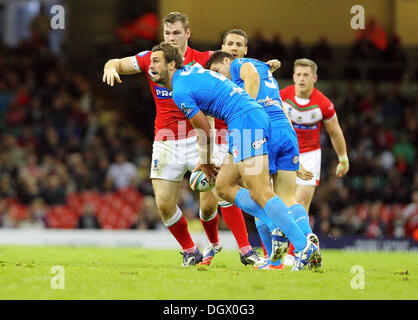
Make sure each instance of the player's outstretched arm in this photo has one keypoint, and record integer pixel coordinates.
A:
(114, 67)
(338, 143)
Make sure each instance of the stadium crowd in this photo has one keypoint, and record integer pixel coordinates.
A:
(69, 159)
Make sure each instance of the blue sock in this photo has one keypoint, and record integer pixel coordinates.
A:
(301, 218)
(282, 217)
(244, 201)
(265, 236)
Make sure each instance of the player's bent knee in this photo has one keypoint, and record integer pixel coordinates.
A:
(165, 208)
(222, 191)
(208, 209)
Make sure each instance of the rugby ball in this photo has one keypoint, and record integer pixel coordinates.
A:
(199, 182)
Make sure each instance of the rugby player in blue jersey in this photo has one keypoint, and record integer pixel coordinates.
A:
(199, 92)
(256, 78)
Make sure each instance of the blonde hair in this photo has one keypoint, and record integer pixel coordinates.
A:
(306, 63)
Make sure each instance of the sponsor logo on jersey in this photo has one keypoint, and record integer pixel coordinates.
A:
(303, 127)
(268, 102)
(163, 93)
(257, 144)
(295, 159)
(236, 90)
(185, 109)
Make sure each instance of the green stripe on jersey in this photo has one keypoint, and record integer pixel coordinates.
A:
(302, 109)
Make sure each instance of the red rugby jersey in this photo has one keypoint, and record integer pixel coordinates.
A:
(307, 119)
(170, 121)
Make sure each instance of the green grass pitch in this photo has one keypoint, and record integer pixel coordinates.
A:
(147, 274)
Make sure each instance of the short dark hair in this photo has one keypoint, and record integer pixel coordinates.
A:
(177, 16)
(218, 57)
(239, 32)
(171, 53)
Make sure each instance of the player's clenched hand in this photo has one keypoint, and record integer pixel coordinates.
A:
(274, 64)
(210, 170)
(109, 76)
(304, 174)
(342, 167)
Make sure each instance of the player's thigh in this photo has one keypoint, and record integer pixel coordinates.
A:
(169, 160)
(166, 194)
(304, 195)
(284, 184)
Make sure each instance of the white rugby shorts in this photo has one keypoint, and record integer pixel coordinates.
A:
(311, 161)
(171, 159)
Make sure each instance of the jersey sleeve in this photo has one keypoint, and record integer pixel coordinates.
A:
(235, 69)
(185, 103)
(327, 108)
(143, 60)
(284, 93)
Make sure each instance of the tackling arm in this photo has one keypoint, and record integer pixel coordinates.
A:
(114, 67)
(338, 143)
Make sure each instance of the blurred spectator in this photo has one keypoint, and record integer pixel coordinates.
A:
(148, 217)
(321, 53)
(88, 218)
(53, 191)
(36, 215)
(410, 214)
(40, 25)
(121, 173)
(276, 48)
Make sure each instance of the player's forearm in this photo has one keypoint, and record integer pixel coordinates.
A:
(338, 142)
(204, 147)
(202, 128)
(121, 66)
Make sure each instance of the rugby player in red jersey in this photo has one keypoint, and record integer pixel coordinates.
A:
(175, 152)
(309, 109)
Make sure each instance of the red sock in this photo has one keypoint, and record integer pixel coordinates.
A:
(291, 248)
(264, 249)
(181, 233)
(235, 221)
(211, 228)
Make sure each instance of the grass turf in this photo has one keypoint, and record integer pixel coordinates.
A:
(146, 274)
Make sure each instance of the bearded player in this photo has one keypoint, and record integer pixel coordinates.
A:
(175, 152)
(308, 109)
